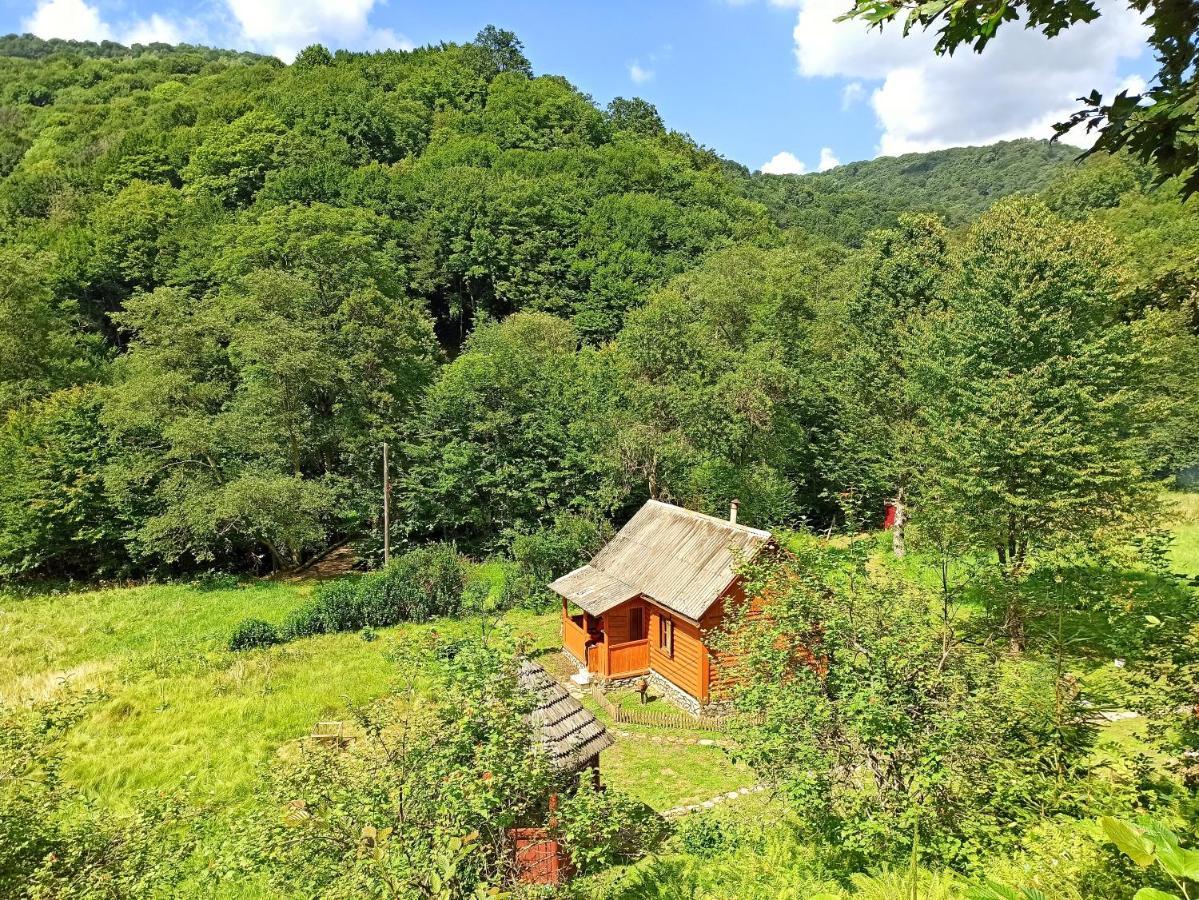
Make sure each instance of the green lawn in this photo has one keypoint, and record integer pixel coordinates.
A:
(667, 775)
(178, 709)
(1184, 554)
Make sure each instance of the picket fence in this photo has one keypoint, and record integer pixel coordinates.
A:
(658, 719)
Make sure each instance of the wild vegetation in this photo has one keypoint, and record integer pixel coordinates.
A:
(230, 281)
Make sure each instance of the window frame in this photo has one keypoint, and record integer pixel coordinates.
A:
(666, 635)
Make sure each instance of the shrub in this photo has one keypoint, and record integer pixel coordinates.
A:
(565, 545)
(251, 633)
(421, 804)
(601, 829)
(521, 588)
(705, 836)
(335, 606)
(416, 586)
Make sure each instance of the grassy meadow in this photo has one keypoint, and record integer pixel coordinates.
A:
(180, 711)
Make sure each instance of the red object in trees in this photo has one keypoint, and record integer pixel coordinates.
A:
(888, 515)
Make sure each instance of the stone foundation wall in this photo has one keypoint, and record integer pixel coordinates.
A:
(674, 693)
(609, 684)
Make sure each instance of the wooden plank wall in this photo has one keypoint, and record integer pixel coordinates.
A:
(616, 623)
(683, 668)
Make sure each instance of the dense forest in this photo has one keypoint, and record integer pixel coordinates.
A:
(848, 202)
(230, 281)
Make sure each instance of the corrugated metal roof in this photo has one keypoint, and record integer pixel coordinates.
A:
(593, 590)
(678, 558)
(569, 733)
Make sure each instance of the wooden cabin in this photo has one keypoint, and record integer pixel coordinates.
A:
(644, 604)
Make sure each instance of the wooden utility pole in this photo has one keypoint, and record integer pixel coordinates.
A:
(386, 509)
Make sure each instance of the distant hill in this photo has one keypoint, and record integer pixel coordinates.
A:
(847, 202)
(30, 46)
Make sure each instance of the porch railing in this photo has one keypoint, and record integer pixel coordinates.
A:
(575, 639)
(629, 658)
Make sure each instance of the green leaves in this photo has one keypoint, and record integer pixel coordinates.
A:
(992, 890)
(1130, 839)
(1151, 842)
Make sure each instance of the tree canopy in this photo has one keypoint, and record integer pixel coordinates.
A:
(230, 281)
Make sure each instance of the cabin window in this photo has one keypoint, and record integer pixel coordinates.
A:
(666, 635)
(637, 623)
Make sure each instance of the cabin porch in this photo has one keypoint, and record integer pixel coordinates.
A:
(612, 645)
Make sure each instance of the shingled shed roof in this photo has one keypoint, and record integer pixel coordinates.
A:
(680, 559)
(570, 734)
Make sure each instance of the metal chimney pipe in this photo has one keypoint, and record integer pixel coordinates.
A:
(733, 510)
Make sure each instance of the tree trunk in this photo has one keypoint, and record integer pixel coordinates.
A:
(1013, 624)
(898, 542)
(1011, 558)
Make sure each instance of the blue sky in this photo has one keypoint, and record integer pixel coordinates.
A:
(772, 83)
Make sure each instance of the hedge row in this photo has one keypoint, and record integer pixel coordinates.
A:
(417, 586)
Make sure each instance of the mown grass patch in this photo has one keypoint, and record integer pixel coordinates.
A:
(668, 775)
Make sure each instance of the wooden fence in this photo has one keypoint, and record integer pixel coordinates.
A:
(658, 719)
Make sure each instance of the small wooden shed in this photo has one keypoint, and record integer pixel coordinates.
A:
(570, 735)
(573, 740)
(648, 599)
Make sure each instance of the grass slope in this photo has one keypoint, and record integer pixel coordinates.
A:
(181, 712)
(1184, 554)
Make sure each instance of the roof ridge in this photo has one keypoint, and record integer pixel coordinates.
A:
(732, 526)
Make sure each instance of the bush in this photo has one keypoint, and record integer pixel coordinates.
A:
(334, 607)
(521, 588)
(565, 545)
(418, 585)
(464, 765)
(251, 633)
(601, 829)
(705, 836)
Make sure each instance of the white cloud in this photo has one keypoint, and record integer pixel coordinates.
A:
(76, 20)
(71, 20)
(639, 74)
(1134, 84)
(153, 29)
(852, 93)
(285, 27)
(827, 160)
(1017, 87)
(784, 163)
(281, 27)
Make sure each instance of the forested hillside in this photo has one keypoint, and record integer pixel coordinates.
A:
(230, 281)
(851, 200)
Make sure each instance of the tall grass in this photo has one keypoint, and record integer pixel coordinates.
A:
(180, 711)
